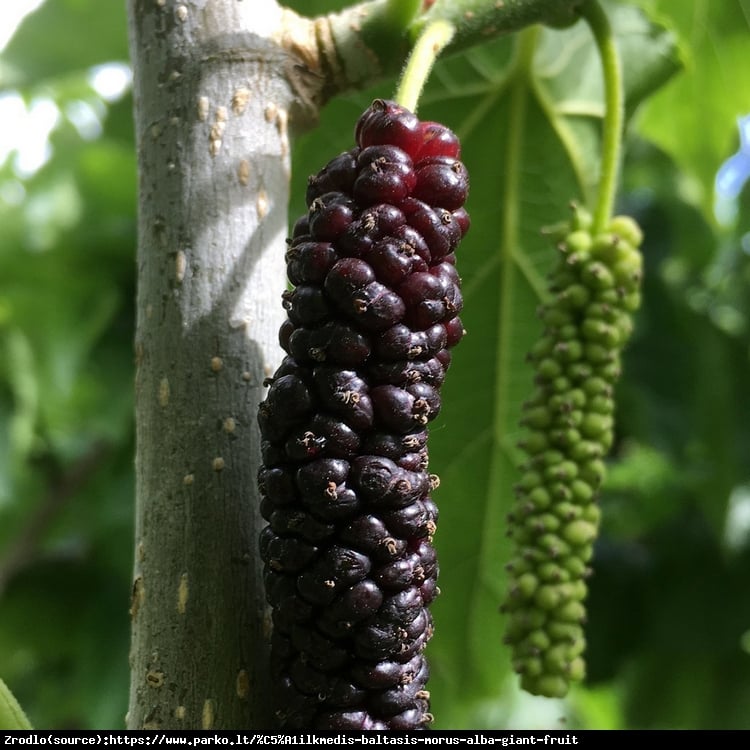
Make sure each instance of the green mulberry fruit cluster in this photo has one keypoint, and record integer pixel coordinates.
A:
(594, 291)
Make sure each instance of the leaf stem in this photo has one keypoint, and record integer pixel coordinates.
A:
(431, 41)
(612, 127)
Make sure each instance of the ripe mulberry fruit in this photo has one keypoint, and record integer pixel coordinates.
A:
(594, 291)
(350, 569)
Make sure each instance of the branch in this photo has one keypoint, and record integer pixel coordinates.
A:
(476, 21)
(367, 42)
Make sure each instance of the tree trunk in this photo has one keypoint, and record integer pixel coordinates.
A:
(211, 104)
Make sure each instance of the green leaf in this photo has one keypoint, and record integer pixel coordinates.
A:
(62, 642)
(695, 118)
(691, 326)
(525, 186)
(531, 143)
(11, 714)
(530, 133)
(42, 46)
(680, 663)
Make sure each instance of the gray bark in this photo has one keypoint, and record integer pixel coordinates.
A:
(211, 104)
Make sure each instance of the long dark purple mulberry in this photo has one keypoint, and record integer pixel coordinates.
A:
(350, 569)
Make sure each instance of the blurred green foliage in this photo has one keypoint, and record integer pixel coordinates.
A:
(66, 328)
(669, 624)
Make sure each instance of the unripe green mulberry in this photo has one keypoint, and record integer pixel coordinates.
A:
(569, 418)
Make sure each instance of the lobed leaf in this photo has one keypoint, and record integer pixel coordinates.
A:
(530, 129)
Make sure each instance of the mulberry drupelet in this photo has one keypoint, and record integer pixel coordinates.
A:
(350, 569)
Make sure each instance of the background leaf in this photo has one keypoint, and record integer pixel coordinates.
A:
(66, 331)
(37, 53)
(704, 105)
(530, 141)
(11, 714)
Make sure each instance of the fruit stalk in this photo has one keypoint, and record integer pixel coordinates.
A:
(614, 110)
(432, 40)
